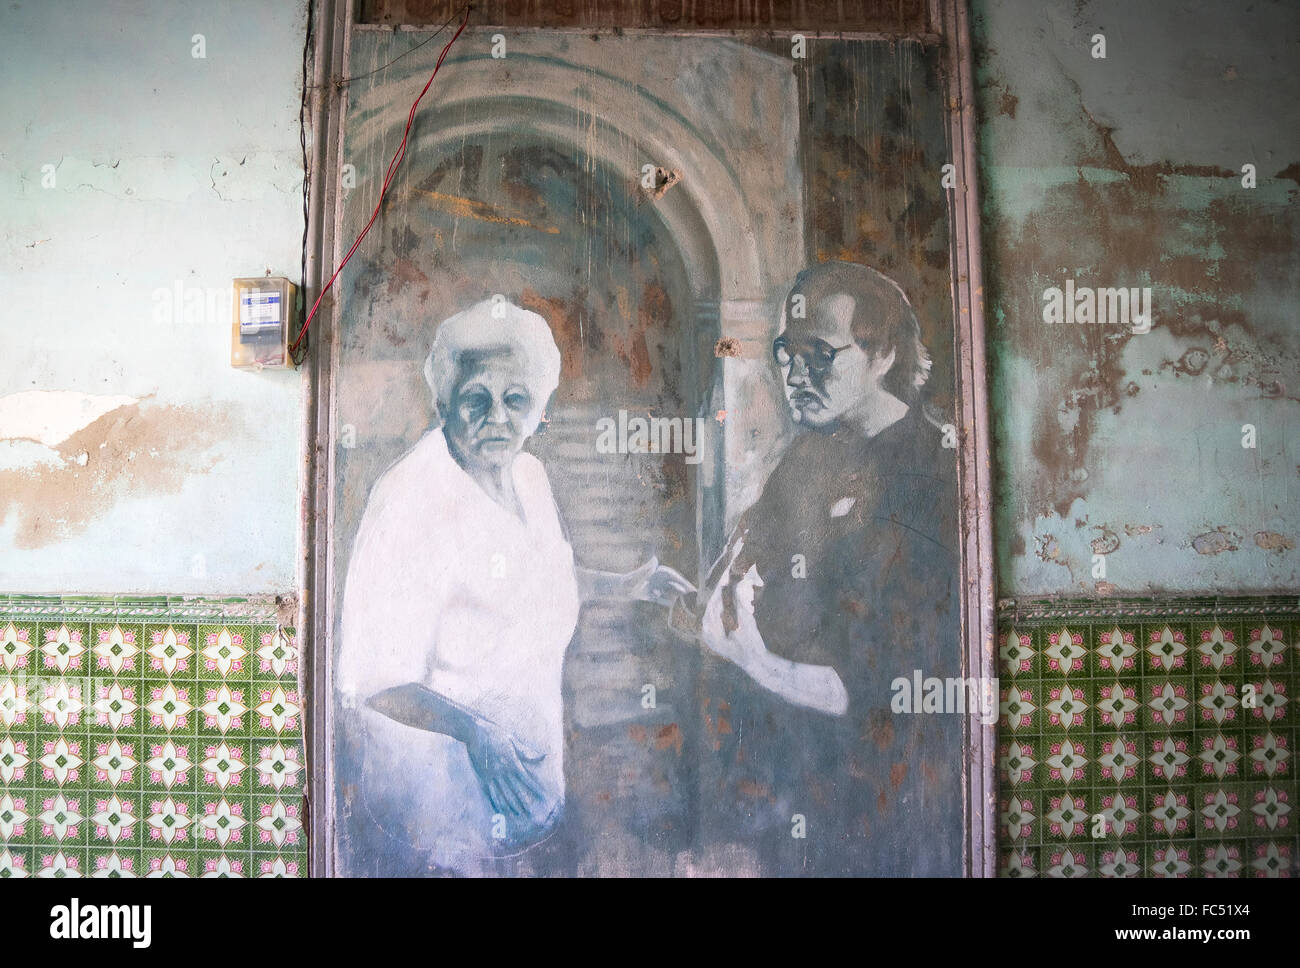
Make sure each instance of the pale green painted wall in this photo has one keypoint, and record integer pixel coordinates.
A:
(170, 171)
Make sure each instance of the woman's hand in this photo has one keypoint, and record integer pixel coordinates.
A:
(656, 583)
(504, 768)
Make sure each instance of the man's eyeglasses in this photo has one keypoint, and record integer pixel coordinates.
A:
(818, 355)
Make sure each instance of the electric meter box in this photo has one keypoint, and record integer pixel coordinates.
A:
(262, 308)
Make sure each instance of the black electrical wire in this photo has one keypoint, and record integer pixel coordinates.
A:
(301, 352)
(447, 23)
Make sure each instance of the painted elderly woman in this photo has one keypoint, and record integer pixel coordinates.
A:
(462, 595)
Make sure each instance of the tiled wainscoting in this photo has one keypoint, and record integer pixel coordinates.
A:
(1149, 740)
(149, 738)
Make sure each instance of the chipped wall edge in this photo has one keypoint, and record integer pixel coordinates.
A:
(278, 609)
(1033, 608)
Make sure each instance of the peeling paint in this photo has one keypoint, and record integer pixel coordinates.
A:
(1106, 542)
(131, 451)
(1272, 541)
(1216, 542)
(664, 180)
(1184, 432)
(50, 417)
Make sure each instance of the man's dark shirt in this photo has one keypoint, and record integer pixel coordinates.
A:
(874, 596)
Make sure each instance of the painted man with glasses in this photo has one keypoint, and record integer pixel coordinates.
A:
(841, 578)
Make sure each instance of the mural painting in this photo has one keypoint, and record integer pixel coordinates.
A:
(645, 500)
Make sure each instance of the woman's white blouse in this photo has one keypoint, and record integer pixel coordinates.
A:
(448, 589)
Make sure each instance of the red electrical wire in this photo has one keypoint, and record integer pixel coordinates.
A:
(388, 178)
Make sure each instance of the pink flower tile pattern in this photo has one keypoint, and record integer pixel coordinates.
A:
(1155, 744)
(138, 743)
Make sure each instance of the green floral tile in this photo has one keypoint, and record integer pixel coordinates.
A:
(1020, 714)
(1171, 860)
(1119, 759)
(1166, 649)
(1169, 702)
(1219, 755)
(1270, 808)
(1119, 862)
(1170, 813)
(1117, 704)
(1171, 757)
(1067, 815)
(1223, 860)
(1065, 650)
(1020, 819)
(1068, 706)
(1067, 861)
(1018, 863)
(1118, 651)
(1268, 755)
(1155, 740)
(1223, 811)
(137, 743)
(1066, 763)
(1016, 652)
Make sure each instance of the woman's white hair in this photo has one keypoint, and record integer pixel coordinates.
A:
(493, 325)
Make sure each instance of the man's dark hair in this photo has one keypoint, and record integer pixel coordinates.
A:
(883, 319)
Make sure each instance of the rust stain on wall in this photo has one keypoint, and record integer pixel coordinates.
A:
(897, 773)
(1272, 541)
(564, 315)
(1079, 187)
(470, 208)
(1007, 103)
(1110, 241)
(670, 737)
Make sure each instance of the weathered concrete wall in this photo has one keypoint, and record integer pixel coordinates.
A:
(136, 180)
(1127, 171)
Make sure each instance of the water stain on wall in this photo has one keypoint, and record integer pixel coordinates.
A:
(137, 450)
